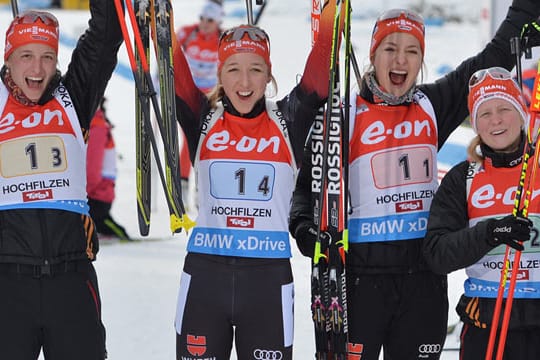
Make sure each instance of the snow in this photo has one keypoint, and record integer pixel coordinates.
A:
(139, 282)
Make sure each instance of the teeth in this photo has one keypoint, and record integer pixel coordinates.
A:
(244, 93)
(497, 132)
(34, 78)
(399, 72)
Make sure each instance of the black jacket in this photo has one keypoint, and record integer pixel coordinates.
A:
(46, 236)
(448, 95)
(450, 243)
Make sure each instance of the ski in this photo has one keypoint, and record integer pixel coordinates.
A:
(328, 287)
(142, 140)
(178, 219)
(162, 26)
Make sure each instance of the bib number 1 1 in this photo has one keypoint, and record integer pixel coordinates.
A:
(402, 167)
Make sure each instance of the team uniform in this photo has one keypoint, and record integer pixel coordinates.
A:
(469, 194)
(237, 279)
(241, 233)
(392, 181)
(47, 239)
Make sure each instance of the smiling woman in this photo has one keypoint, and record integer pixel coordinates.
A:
(31, 68)
(246, 149)
(30, 54)
(48, 240)
(471, 218)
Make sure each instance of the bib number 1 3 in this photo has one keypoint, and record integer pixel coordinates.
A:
(242, 181)
(28, 156)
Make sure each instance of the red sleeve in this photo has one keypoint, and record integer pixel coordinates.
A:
(316, 74)
(185, 87)
(95, 151)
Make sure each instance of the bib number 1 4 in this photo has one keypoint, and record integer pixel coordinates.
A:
(241, 180)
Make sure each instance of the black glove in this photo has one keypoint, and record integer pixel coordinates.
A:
(306, 236)
(530, 35)
(509, 230)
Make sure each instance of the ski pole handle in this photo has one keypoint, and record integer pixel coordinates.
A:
(515, 48)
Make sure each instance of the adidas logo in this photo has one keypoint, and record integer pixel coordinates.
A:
(503, 229)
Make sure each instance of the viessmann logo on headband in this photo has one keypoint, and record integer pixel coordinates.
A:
(404, 24)
(36, 30)
(244, 46)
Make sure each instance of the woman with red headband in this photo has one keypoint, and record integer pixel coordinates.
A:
(395, 301)
(237, 279)
(50, 300)
(469, 221)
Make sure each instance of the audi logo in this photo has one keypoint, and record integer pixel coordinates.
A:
(259, 354)
(429, 348)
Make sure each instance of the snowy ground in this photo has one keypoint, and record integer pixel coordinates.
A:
(139, 282)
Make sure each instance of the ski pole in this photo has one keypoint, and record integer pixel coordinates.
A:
(515, 48)
(518, 210)
(261, 9)
(14, 7)
(350, 49)
(534, 109)
(181, 220)
(355, 66)
(249, 7)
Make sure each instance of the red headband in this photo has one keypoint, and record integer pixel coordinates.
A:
(490, 84)
(31, 27)
(244, 39)
(397, 20)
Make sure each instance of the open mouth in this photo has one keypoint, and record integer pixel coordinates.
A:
(34, 82)
(398, 77)
(244, 94)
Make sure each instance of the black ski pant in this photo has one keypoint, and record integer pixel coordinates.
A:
(56, 309)
(521, 344)
(221, 298)
(405, 314)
